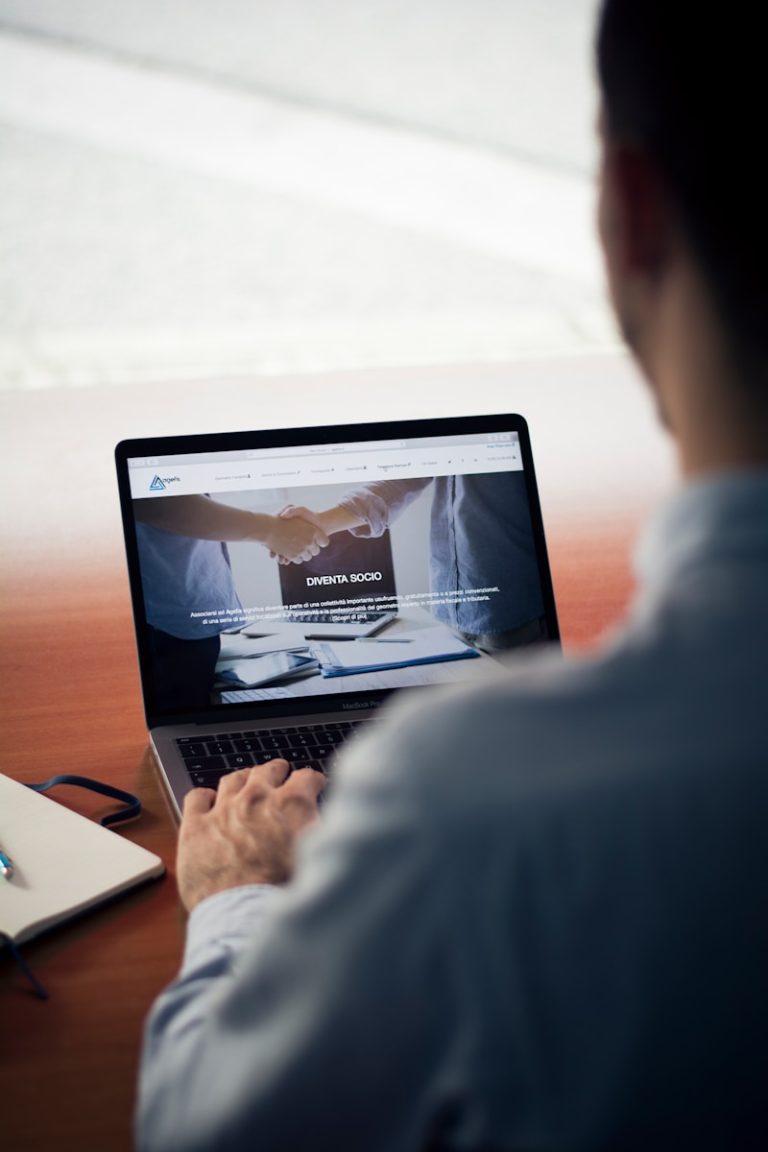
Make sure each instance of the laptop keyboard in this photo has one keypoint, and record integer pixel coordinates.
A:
(208, 758)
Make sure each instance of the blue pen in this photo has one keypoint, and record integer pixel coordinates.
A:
(6, 865)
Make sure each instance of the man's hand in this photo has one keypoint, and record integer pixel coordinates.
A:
(295, 539)
(300, 512)
(294, 513)
(244, 833)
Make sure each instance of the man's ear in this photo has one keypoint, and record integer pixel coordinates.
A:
(634, 218)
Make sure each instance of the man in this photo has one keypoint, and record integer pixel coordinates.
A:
(563, 944)
(182, 542)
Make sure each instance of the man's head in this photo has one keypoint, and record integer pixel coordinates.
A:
(682, 111)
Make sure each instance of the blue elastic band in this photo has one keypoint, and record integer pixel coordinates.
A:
(133, 804)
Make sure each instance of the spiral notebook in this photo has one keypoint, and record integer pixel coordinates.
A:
(63, 863)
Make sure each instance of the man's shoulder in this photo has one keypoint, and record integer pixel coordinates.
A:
(518, 708)
(646, 715)
(433, 749)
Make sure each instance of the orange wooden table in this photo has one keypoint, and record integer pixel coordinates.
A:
(70, 698)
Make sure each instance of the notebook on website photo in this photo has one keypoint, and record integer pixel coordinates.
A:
(284, 583)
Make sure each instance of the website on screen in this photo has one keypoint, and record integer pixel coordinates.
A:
(327, 568)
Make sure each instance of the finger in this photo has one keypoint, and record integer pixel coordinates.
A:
(308, 782)
(274, 772)
(303, 547)
(289, 512)
(198, 801)
(233, 782)
(322, 538)
(297, 799)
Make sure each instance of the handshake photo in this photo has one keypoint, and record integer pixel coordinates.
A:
(292, 536)
(299, 533)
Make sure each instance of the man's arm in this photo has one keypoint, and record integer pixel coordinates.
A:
(205, 519)
(322, 1013)
(367, 511)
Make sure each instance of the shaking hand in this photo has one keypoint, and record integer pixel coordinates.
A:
(293, 539)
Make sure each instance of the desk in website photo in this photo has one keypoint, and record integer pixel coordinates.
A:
(70, 699)
(418, 649)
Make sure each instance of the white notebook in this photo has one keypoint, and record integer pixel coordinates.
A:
(63, 863)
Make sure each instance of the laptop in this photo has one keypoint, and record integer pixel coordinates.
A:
(259, 636)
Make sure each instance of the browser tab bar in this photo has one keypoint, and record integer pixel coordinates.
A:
(304, 467)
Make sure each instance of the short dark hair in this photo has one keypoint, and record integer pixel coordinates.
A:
(686, 80)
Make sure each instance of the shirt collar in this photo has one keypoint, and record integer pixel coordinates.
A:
(717, 517)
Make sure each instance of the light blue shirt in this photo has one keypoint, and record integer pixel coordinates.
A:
(187, 583)
(532, 915)
(480, 537)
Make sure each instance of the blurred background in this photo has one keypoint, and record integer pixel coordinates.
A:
(203, 189)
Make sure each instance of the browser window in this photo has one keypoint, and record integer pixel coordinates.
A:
(422, 555)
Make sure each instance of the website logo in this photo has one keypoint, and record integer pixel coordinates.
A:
(159, 484)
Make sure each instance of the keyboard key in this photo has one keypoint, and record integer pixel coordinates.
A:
(297, 755)
(246, 745)
(240, 760)
(206, 764)
(192, 751)
(265, 757)
(208, 779)
(330, 737)
(219, 747)
(273, 743)
(302, 740)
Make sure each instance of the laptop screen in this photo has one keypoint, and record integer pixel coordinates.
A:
(286, 566)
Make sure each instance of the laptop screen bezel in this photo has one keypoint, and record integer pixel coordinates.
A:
(162, 446)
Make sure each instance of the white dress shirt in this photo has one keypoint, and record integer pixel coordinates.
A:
(533, 913)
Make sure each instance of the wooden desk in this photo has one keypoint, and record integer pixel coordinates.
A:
(68, 1066)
